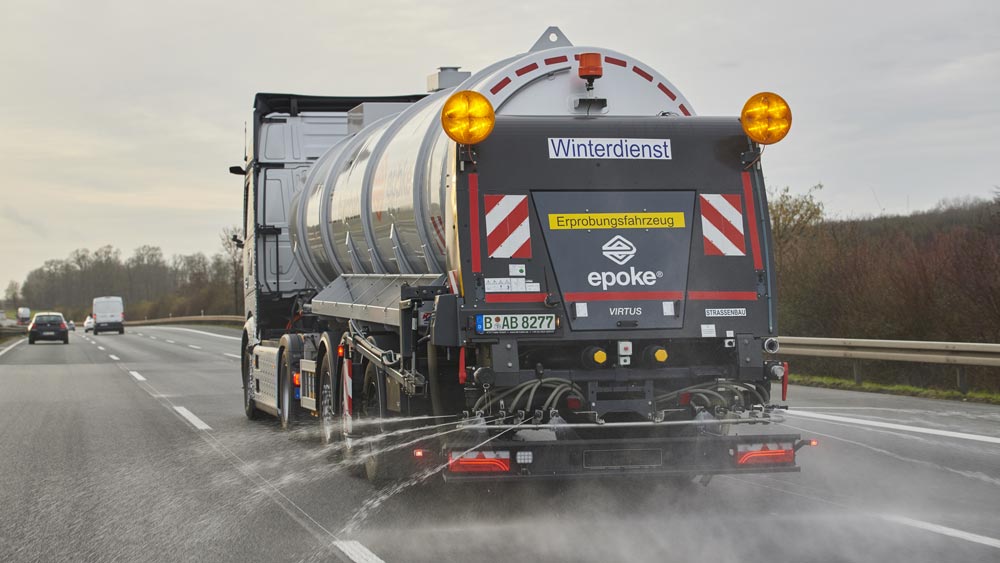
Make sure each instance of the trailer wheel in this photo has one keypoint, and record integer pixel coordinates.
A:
(329, 429)
(377, 467)
(249, 407)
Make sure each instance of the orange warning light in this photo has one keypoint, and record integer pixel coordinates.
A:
(590, 66)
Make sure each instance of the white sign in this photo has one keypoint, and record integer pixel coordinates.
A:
(708, 331)
(613, 149)
(741, 312)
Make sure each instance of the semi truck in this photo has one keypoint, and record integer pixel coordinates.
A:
(548, 268)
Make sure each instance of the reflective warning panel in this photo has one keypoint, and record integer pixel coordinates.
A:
(722, 224)
(508, 233)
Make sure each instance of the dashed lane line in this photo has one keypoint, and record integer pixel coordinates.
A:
(138, 376)
(114, 357)
(356, 551)
(194, 420)
(200, 332)
(194, 347)
(235, 356)
(943, 530)
(101, 348)
(171, 342)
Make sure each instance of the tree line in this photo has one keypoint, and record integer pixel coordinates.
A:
(151, 285)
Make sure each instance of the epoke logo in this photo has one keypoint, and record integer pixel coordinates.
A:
(619, 250)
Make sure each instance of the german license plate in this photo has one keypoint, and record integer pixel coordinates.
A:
(510, 324)
(49, 333)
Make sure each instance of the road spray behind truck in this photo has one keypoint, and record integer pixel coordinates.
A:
(548, 268)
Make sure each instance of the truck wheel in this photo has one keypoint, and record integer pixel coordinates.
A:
(249, 408)
(288, 413)
(329, 429)
(377, 465)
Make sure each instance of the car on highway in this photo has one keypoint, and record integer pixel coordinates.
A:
(48, 325)
(71, 325)
(109, 315)
(88, 325)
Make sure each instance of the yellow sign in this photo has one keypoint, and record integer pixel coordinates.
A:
(626, 220)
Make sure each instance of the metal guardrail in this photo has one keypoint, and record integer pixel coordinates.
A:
(188, 320)
(959, 354)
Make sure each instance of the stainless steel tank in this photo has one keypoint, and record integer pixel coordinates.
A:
(380, 202)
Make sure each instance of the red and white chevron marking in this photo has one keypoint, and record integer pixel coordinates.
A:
(508, 233)
(722, 225)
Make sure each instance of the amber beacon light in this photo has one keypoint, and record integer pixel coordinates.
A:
(467, 117)
(766, 118)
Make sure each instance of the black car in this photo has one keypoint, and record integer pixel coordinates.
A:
(48, 326)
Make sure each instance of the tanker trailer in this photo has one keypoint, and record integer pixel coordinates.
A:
(547, 268)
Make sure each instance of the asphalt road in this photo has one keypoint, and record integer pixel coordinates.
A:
(135, 448)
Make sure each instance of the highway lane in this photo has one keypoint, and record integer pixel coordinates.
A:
(96, 464)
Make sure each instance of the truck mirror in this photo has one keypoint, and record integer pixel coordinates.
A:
(238, 170)
(236, 239)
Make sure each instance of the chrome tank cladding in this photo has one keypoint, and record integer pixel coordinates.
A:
(379, 202)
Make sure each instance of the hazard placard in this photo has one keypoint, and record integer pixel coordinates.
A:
(722, 224)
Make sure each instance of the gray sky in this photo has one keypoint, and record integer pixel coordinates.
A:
(120, 118)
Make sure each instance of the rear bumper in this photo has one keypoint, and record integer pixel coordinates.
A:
(630, 457)
(41, 334)
(109, 326)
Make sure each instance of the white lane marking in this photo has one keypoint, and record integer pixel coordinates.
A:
(152, 338)
(200, 332)
(138, 334)
(893, 426)
(100, 348)
(236, 356)
(197, 422)
(92, 342)
(7, 349)
(943, 530)
(170, 342)
(193, 346)
(114, 357)
(356, 551)
(137, 376)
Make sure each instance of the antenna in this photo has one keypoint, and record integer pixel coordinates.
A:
(245, 156)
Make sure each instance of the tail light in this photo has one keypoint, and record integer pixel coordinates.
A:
(296, 378)
(479, 462)
(31, 326)
(765, 454)
(62, 326)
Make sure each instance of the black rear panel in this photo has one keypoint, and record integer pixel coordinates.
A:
(674, 247)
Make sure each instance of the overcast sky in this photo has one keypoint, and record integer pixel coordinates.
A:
(120, 118)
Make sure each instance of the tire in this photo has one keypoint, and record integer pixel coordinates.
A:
(31, 340)
(121, 331)
(329, 429)
(95, 331)
(249, 408)
(377, 465)
(66, 340)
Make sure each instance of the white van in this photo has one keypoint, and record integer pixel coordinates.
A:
(109, 315)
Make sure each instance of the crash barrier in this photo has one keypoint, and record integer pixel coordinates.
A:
(959, 354)
(189, 320)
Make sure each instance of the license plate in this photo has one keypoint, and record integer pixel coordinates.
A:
(50, 333)
(509, 324)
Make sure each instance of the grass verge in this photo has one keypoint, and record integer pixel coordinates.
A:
(909, 390)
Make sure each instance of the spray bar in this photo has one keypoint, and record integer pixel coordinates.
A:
(612, 425)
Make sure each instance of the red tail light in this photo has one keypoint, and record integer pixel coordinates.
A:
(31, 326)
(765, 454)
(62, 326)
(479, 462)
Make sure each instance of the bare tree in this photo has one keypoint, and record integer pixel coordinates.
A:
(234, 255)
